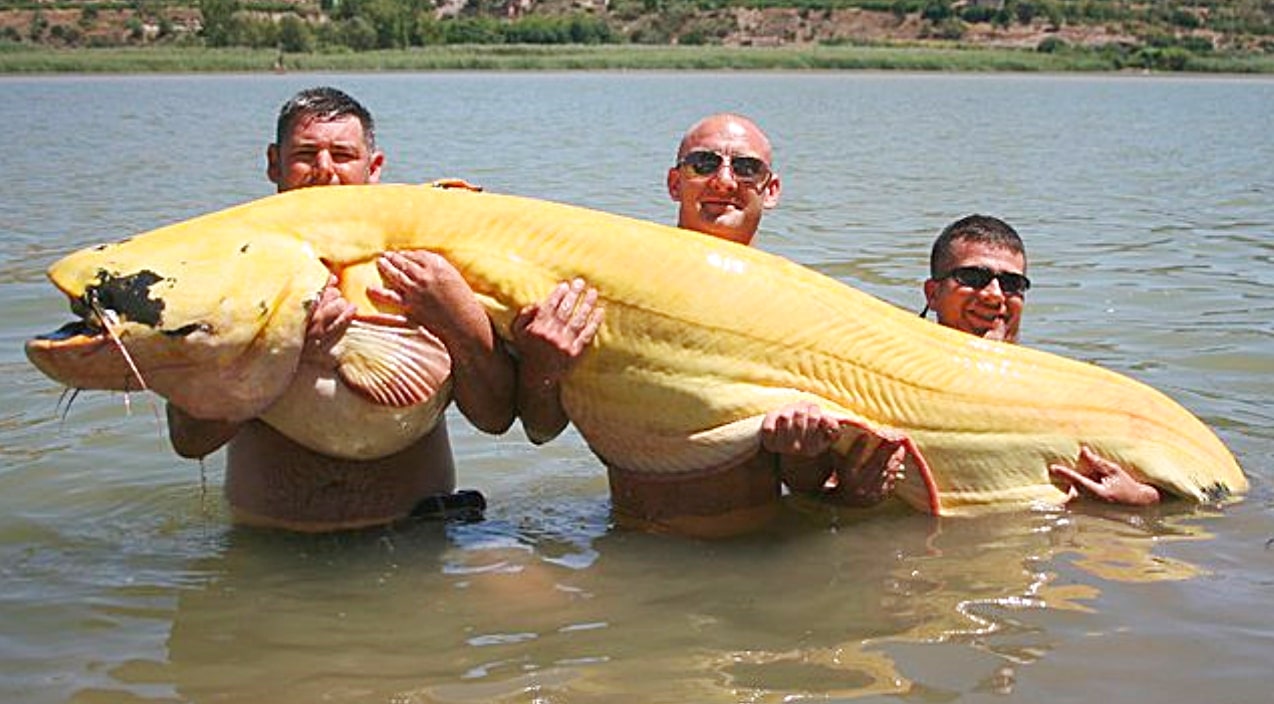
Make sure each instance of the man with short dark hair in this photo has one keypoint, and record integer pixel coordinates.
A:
(977, 278)
(977, 283)
(325, 137)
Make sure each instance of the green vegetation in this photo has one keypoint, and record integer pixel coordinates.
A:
(1045, 35)
(572, 57)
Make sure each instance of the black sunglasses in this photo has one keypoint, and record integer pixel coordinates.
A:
(745, 168)
(979, 277)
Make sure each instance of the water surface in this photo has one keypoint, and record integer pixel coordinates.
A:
(1147, 205)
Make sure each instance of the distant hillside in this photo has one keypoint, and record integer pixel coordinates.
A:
(1155, 34)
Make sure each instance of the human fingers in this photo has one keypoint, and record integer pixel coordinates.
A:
(1096, 465)
(585, 334)
(422, 259)
(999, 330)
(776, 430)
(583, 309)
(892, 457)
(594, 324)
(554, 299)
(330, 317)
(1074, 480)
(392, 268)
(566, 306)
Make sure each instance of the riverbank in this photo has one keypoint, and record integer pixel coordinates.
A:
(20, 59)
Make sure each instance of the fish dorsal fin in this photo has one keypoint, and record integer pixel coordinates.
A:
(392, 365)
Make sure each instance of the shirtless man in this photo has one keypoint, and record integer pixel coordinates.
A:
(326, 138)
(977, 283)
(723, 182)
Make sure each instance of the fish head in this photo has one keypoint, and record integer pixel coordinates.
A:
(210, 314)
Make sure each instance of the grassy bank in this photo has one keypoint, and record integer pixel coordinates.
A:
(23, 59)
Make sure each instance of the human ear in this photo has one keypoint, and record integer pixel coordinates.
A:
(770, 195)
(674, 184)
(273, 170)
(374, 166)
(931, 293)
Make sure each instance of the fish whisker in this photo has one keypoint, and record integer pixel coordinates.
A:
(63, 411)
(107, 319)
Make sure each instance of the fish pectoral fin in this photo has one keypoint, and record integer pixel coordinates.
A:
(392, 365)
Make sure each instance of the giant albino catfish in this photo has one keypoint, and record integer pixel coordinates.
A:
(701, 338)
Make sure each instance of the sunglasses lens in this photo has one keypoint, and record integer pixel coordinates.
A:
(973, 276)
(748, 167)
(703, 163)
(1014, 284)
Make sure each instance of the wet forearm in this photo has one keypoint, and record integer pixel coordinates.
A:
(483, 375)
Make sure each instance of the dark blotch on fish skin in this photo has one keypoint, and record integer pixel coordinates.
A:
(129, 296)
(244, 248)
(187, 330)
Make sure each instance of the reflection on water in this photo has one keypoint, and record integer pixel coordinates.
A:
(1146, 209)
(478, 613)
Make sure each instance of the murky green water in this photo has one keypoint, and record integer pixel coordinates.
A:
(1148, 209)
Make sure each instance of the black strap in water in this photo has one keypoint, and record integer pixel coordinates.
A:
(465, 505)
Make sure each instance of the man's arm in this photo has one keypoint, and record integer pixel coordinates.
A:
(550, 337)
(194, 438)
(434, 295)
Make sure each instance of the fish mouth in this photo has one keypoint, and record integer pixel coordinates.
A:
(74, 332)
(85, 354)
(76, 340)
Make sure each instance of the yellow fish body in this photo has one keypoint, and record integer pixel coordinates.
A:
(701, 338)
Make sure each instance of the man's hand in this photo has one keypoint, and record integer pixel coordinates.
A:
(867, 474)
(799, 429)
(432, 294)
(998, 331)
(550, 336)
(426, 286)
(329, 318)
(1097, 476)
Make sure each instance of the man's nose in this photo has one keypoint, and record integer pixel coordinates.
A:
(323, 163)
(993, 291)
(723, 178)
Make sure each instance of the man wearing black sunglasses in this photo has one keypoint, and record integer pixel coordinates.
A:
(977, 278)
(977, 283)
(722, 181)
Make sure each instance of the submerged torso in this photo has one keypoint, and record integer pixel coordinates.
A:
(274, 482)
